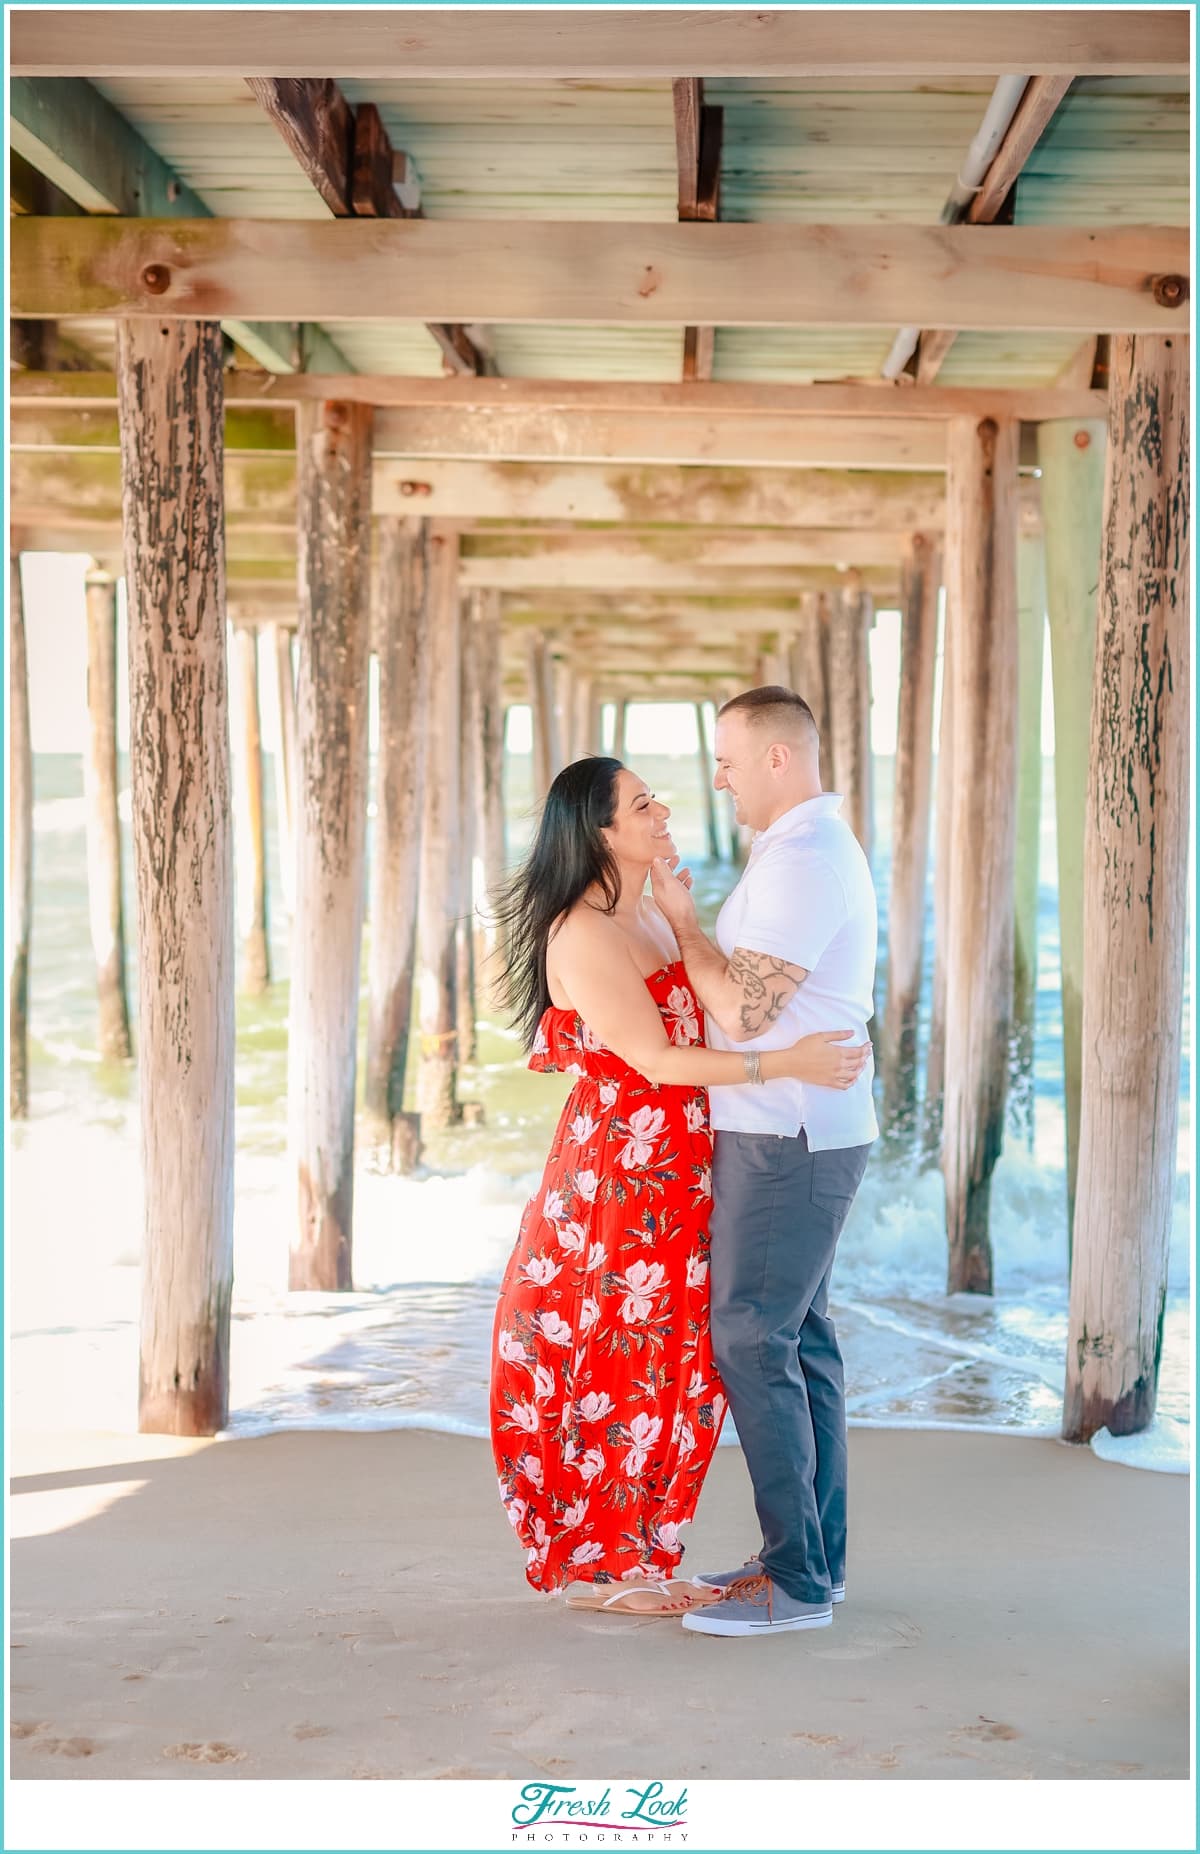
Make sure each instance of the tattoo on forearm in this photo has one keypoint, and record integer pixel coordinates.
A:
(768, 986)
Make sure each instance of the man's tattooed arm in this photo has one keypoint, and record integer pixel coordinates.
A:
(745, 994)
(767, 986)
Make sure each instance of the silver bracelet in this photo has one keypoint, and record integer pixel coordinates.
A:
(753, 1066)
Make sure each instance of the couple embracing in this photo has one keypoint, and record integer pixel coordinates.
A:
(675, 1260)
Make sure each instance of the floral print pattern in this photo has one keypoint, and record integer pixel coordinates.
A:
(605, 1402)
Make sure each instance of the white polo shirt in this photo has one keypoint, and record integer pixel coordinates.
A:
(805, 896)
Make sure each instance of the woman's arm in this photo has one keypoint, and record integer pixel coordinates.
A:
(611, 996)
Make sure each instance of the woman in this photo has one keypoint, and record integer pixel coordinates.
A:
(605, 1403)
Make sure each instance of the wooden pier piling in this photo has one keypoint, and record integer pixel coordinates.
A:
(1135, 896)
(170, 400)
(333, 445)
(981, 610)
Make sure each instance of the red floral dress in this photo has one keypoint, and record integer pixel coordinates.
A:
(605, 1403)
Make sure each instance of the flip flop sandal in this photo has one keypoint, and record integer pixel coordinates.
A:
(613, 1602)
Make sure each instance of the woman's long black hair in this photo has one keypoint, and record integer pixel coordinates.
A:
(569, 856)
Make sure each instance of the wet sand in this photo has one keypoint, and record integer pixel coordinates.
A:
(353, 1605)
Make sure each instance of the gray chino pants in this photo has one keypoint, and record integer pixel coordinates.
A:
(778, 1210)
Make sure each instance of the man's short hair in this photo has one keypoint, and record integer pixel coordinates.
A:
(773, 710)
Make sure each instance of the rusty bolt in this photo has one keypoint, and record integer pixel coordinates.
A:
(1170, 291)
(1082, 440)
(156, 278)
(409, 488)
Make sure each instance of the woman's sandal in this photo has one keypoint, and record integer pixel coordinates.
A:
(678, 1595)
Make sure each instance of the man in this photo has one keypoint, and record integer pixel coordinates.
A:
(795, 954)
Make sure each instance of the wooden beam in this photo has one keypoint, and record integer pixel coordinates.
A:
(1042, 97)
(551, 437)
(1132, 278)
(1034, 113)
(744, 548)
(688, 99)
(85, 492)
(695, 615)
(716, 399)
(317, 125)
(648, 574)
(31, 191)
(34, 427)
(66, 130)
(698, 137)
(348, 156)
(932, 349)
(647, 438)
(626, 43)
(699, 349)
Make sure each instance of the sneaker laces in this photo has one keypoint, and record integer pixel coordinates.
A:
(755, 1590)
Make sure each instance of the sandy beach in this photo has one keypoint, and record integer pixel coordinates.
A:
(353, 1606)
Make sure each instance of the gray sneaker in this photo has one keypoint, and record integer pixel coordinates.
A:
(757, 1606)
(720, 1580)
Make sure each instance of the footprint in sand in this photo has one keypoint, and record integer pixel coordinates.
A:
(26, 1728)
(211, 1753)
(312, 1731)
(987, 1731)
(65, 1747)
(868, 1637)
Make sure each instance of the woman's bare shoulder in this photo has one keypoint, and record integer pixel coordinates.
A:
(584, 929)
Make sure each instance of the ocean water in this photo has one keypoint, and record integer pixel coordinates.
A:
(409, 1347)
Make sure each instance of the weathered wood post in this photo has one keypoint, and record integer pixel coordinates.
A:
(620, 729)
(106, 909)
(807, 673)
(981, 611)
(1135, 896)
(562, 695)
(585, 727)
(279, 643)
(1031, 631)
(771, 668)
(935, 1054)
(468, 847)
(490, 770)
(1071, 454)
(910, 833)
(171, 410)
(547, 757)
(849, 683)
(402, 654)
(19, 914)
(705, 768)
(333, 509)
(439, 880)
(249, 823)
